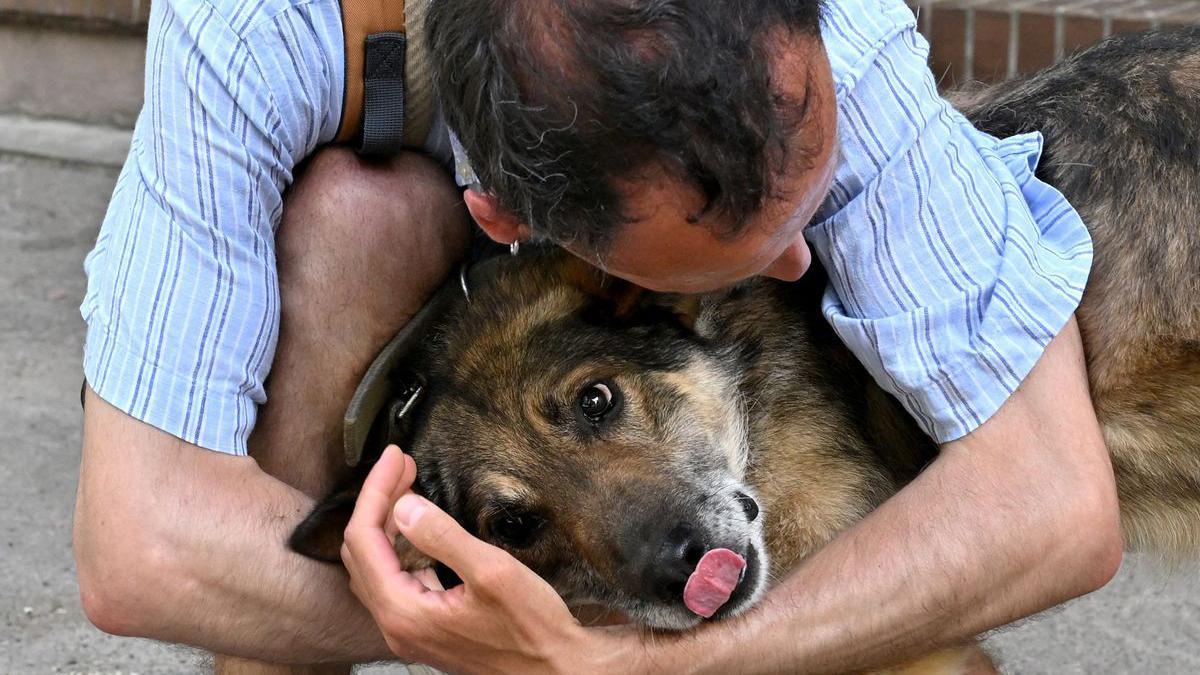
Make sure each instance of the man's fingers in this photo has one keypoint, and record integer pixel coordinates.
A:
(390, 599)
(368, 549)
(429, 579)
(437, 535)
(389, 478)
(402, 486)
(391, 529)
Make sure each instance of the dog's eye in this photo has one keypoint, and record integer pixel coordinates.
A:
(597, 400)
(516, 529)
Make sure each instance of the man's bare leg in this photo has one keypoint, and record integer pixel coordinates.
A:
(361, 247)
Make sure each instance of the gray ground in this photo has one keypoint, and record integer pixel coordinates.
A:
(49, 214)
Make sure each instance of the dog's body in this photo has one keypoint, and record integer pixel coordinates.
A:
(1122, 125)
(608, 436)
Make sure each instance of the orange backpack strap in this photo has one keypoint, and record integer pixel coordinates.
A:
(388, 100)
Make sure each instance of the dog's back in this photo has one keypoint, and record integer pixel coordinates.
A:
(1121, 123)
(1122, 128)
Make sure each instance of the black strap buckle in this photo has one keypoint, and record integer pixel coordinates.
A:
(383, 94)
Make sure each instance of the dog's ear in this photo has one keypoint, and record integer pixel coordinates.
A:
(619, 296)
(321, 534)
(686, 308)
(622, 300)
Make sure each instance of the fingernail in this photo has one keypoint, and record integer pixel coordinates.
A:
(409, 509)
(384, 455)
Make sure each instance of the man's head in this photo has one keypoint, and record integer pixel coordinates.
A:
(681, 144)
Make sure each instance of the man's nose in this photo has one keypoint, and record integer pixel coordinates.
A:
(792, 263)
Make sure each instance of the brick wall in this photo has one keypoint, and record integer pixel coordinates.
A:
(131, 14)
(970, 39)
(991, 40)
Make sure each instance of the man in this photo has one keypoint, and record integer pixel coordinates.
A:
(682, 145)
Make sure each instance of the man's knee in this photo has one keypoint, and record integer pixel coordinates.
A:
(361, 246)
(390, 203)
(372, 230)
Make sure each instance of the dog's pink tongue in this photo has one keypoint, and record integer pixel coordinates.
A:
(710, 586)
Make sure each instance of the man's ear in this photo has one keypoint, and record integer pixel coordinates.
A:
(321, 534)
(500, 224)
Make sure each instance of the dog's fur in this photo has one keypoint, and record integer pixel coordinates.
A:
(747, 392)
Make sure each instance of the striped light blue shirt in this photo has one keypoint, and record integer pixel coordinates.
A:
(951, 265)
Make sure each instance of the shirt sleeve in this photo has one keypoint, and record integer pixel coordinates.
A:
(182, 305)
(951, 265)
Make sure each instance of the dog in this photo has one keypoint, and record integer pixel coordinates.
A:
(668, 456)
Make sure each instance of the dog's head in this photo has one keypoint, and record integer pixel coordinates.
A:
(590, 429)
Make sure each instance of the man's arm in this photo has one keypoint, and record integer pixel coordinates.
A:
(1014, 518)
(181, 544)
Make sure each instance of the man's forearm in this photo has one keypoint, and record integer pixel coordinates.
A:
(1014, 518)
(917, 575)
(253, 597)
(185, 545)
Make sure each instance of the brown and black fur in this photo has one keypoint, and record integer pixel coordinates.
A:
(1122, 123)
(747, 392)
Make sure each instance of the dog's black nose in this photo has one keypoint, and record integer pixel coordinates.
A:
(674, 562)
(748, 505)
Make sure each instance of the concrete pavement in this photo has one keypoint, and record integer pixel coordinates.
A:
(63, 140)
(49, 215)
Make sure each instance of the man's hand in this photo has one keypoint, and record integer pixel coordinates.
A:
(503, 618)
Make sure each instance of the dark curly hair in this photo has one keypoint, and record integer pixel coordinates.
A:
(554, 100)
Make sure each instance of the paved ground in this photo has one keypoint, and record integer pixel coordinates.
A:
(49, 214)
